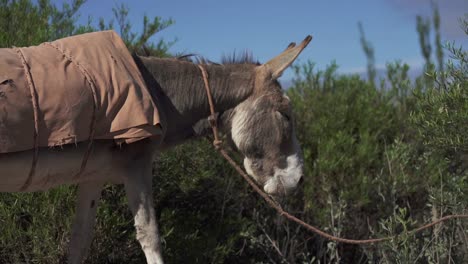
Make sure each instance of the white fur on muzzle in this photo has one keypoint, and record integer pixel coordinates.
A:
(285, 180)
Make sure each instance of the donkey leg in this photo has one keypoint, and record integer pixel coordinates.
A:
(140, 199)
(88, 197)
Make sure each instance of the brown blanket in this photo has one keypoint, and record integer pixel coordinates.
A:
(71, 90)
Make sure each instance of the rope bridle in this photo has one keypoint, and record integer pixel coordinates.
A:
(217, 143)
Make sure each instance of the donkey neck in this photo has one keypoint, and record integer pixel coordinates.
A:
(179, 88)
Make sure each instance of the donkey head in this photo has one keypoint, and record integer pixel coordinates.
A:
(263, 128)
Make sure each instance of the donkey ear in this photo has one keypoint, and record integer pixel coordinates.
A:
(277, 65)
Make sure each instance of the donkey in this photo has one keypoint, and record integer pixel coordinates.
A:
(252, 112)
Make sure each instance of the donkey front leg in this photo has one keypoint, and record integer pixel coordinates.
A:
(88, 197)
(140, 199)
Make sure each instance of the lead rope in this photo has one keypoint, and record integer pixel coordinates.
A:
(212, 118)
(218, 146)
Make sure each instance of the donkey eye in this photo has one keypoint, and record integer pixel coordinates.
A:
(288, 118)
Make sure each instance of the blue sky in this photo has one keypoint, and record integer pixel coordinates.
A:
(212, 28)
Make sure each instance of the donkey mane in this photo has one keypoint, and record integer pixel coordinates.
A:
(244, 57)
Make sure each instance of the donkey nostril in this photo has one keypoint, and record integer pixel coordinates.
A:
(301, 181)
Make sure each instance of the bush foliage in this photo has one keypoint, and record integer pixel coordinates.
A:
(381, 158)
